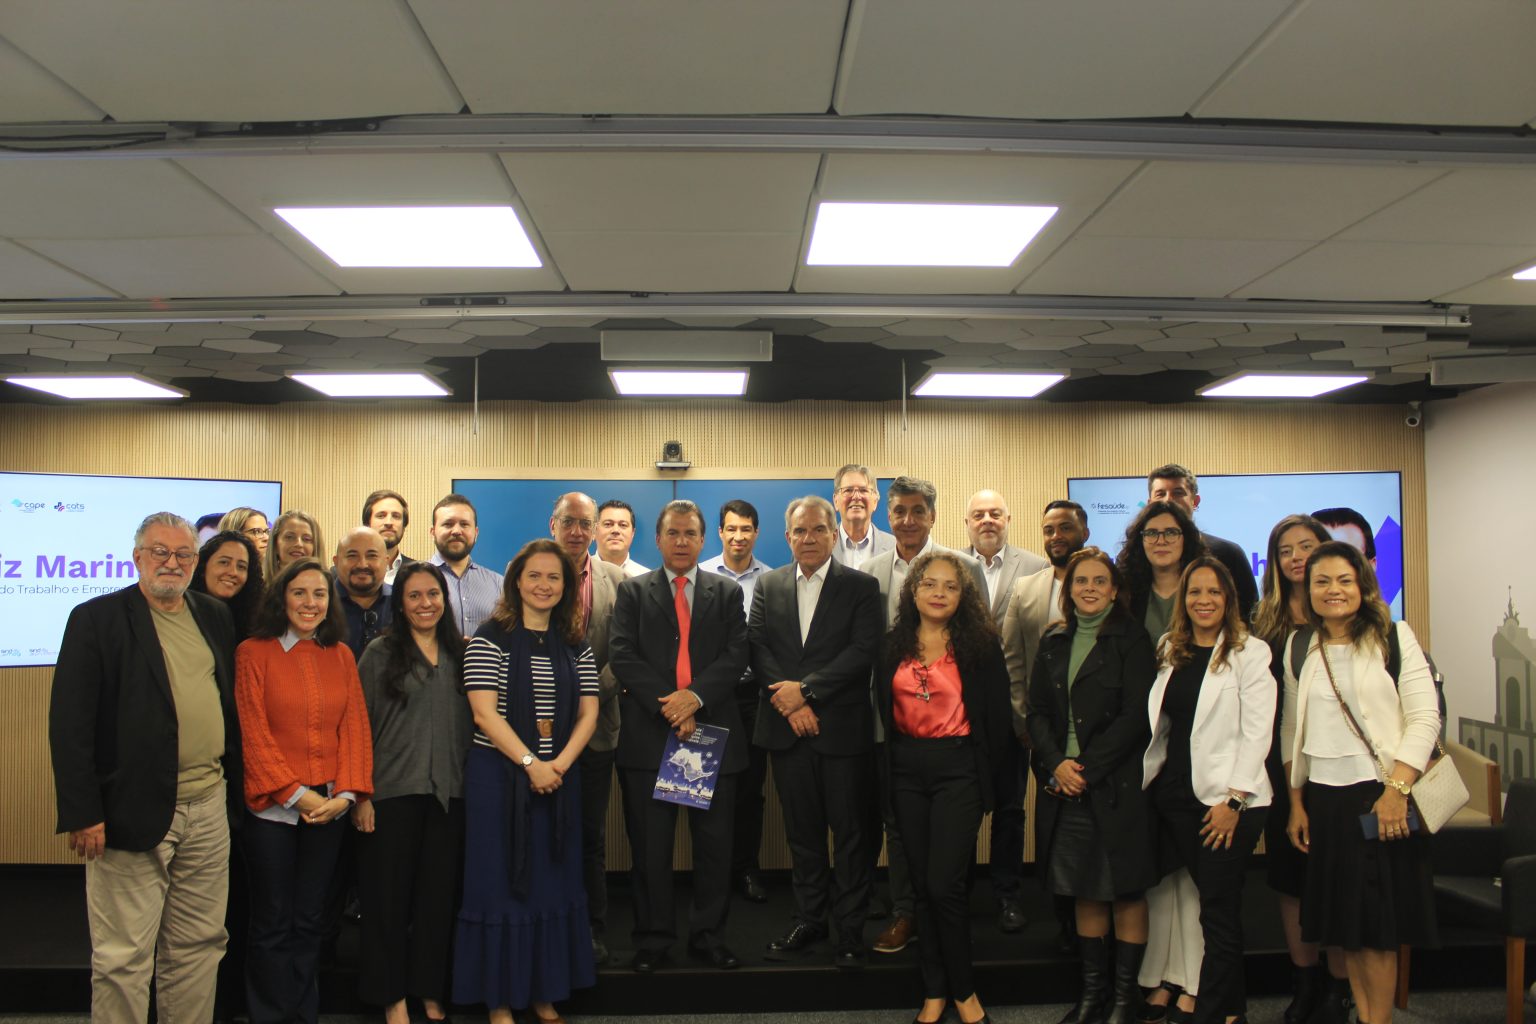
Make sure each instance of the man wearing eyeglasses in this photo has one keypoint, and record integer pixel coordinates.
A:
(1179, 485)
(573, 523)
(145, 743)
(359, 565)
(856, 496)
(911, 510)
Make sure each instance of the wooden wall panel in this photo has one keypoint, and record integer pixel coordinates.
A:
(329, 455)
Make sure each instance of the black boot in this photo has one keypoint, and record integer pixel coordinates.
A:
(1127, 1004)
(1307, 985)
(1093, 1004)
(1334, 1006)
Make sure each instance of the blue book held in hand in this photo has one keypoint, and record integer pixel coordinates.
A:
(689, 767)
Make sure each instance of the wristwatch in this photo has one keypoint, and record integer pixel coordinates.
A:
(1236, 802)
(1402, 787)
(527, 759)
(808, 694)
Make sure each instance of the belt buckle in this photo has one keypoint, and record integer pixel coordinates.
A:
(546, 727)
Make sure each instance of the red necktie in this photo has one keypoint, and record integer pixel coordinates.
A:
(684, 669)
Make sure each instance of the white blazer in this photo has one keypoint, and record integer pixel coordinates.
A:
(1234, 723)
(1402, 722)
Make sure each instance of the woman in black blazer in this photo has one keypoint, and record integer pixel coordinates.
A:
(942, 687)
(1087, 724)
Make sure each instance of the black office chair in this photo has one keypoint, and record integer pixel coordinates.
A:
(1485, 878)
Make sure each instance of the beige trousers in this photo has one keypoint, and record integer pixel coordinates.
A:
(160, 914)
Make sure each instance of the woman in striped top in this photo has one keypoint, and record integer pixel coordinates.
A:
(533, 688)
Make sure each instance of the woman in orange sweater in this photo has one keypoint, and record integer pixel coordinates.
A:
(308, 758)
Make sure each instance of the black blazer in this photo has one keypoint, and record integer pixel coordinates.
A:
(834, 661)
(642, 651)
(112, 725)
(983, 691)
(1108, 705)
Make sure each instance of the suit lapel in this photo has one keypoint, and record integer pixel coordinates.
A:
(829, 586)
(148, 640)
(661, 595)
(1210, 686)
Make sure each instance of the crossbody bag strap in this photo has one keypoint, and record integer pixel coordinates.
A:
(1349, 716)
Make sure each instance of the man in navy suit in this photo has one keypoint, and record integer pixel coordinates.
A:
(678, 646)
(814, 628)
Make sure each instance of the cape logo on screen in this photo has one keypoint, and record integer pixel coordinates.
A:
(28, 506)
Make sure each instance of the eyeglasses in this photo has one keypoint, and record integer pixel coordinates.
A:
(257, 531)
(566, 522)
(921, 672)
(1170, 534)
(161, 553)
(854, 490)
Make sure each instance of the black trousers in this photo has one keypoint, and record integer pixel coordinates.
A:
(818, 792)
(596, 788)
(1009, 784)
(882, 818)
(747, 839)
(651, 825)
(290, 870)
(229, 999)
(408, 872)
(1218, 875)
(938, 805)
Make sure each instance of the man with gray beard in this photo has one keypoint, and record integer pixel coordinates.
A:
(146, 763)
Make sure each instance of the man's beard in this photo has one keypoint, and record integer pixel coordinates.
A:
(167, 587)
(446, 550)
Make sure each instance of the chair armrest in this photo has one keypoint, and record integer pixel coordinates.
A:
(1467, 850)
(1519, 884)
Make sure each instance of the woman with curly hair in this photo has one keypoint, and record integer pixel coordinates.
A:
(1160, 542)
(229, 568)
(942, 689)
(1087, 724)
(1211, 710)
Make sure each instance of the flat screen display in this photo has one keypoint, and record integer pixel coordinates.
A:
(65, 539)
(1244, 508)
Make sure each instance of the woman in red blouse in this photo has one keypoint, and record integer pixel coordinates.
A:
(942, 687)
(308, 757)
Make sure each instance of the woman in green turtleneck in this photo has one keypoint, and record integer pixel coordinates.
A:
(1088, 728)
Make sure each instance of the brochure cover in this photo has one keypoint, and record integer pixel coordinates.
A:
(689, 767)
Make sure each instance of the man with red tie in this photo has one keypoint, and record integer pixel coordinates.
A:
(678, 646)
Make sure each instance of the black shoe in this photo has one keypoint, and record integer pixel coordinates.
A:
(750, 887)
(851, 958)
(1010, 917)
(599, 951)
(1128, 957)
(1307, 985)
(1093, 1004)
(719, 957)
(1334, 1006)
(1065, 944)
(1152, 1013)
(646, 961)
(797, 938)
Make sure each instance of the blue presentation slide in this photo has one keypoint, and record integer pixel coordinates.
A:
(1243, 509)
(65, 539)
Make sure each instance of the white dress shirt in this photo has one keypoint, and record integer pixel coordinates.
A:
(807, 593)
(899, 570)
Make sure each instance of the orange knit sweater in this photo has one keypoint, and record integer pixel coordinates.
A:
(302, 721)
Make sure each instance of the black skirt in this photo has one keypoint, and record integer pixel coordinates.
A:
(1079, 865)
(1285, 867)
(1363, 893)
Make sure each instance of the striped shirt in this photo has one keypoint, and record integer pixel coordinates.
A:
(474, 594)
(486, 668)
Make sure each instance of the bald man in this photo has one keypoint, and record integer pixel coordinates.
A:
(360, 563)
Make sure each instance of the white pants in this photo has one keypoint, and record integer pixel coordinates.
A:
(1175, 944)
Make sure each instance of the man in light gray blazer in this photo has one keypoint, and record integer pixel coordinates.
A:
(986, 522)
(911, 508)
(574, 523)
(856, 495)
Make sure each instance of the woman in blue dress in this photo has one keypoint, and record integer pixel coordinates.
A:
(522, 938)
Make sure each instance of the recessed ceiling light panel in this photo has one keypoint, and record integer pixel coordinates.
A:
(922, 234)
(373, 385)
(953, 384)
(658, 382)
(125, 385)
(416, 236)
(1281, 385)
(1528, 274)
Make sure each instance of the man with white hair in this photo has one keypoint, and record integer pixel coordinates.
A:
(146, 764)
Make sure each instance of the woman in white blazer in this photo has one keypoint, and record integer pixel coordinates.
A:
(1369, 887)
(1212, 712)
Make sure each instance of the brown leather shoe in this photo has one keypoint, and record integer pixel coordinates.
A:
(895, 938)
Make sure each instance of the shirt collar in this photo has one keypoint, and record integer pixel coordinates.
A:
(469, 567)
(927, 547)
(849, 542)
(758, 566)
(995, 562)
(290, 640)
(820, 574)
(692, 575)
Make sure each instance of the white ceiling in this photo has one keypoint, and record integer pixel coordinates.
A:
(1160, 223)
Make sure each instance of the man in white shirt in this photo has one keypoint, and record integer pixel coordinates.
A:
(737, 560)
(615, 534)
(856, 495)
(387, 514)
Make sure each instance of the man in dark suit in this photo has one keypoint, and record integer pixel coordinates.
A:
(1179, 485)
(814, 627)
(146, 764)
(678, 645)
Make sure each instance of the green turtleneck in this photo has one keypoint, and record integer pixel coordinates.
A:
(1084, 636)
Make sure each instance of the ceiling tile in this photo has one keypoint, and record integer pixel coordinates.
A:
(109, 199)
(1499, 290)
(188, 267)
(26, 275)
(663, 261)
(1366, 61)
(1188, 199)
(29, 92)
(1008, 58)
(1380, 271)
(74, 332)
(616, 56)
(1198, 268)
(241, 345)
(192, 60)
(1465, 207)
